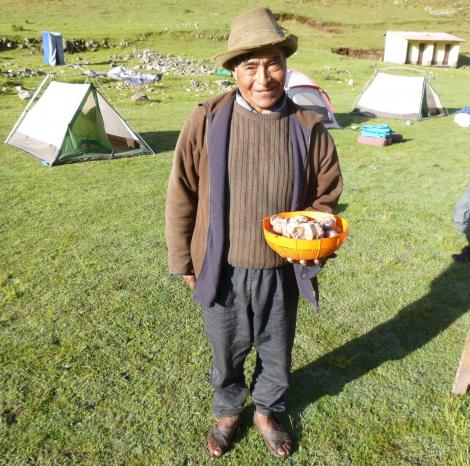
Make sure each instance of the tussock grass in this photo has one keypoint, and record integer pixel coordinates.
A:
(103, 359)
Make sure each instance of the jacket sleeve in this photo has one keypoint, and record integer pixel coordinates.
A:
(326, 182)
(182, 196)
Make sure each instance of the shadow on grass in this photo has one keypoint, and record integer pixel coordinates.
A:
(161, 141)
(413, 327)
(464, 60)
(348, 119)
(341, 207)
(98, 63)
(452, 110)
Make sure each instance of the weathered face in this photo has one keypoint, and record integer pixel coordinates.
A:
(261, 77)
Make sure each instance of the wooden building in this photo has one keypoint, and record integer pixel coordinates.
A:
(422, 48)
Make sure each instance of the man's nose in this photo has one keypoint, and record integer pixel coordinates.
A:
(262, 76)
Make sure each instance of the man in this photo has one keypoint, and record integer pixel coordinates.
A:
(242, 156)
(462, 222)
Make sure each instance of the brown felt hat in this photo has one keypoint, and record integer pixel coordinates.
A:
(252, 31)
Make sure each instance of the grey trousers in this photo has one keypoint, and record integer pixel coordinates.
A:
(253, 308)
(461, 214)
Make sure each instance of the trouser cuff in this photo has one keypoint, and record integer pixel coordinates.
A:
(268, 412)
(226, 412)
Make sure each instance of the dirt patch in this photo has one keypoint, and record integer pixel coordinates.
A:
(367, 54)
(153, 60)
(315, 23)
(83, 45)
(11, 415)
(186, 35)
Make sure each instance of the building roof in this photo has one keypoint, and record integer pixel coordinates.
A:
(427, 36)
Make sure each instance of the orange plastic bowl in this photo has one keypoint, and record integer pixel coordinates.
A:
(304, 249)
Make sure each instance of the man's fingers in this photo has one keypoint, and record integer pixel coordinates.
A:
(308, 263)
(190, 280)
(302, 262)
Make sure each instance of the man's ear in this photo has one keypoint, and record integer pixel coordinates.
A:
(234, 73)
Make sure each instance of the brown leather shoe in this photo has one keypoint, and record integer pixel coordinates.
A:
(275, 438)
(221, 437)
(464, 256)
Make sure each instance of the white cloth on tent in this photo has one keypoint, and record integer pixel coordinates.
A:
(398, 95)
(48, 120)
(113, 123)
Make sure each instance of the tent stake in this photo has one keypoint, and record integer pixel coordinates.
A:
(462, 377)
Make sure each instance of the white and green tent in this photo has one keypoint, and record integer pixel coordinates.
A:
(73, 122)
(399, 96)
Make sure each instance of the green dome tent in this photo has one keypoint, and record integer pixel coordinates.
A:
(73, 122)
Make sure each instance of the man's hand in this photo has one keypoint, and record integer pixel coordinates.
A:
(306, 263)
(317, 262)
(190, 280)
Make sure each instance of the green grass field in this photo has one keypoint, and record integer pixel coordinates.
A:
(103, 359)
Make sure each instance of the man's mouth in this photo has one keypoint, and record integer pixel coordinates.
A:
(266, 92)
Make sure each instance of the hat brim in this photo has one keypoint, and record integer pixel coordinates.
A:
(288, 43)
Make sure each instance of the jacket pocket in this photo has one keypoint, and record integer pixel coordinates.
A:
(198, 249)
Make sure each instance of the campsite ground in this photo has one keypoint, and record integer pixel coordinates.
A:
(102, 354)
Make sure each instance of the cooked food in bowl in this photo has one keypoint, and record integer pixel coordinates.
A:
(305, 234)
(302, 227)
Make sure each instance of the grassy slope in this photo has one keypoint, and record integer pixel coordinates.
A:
(102, 355)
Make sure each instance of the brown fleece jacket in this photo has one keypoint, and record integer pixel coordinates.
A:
(187, 204)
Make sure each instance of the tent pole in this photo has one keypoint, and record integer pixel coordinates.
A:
(423, 96)
(20, 119)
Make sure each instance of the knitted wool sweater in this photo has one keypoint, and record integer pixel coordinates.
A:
(260, 181)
